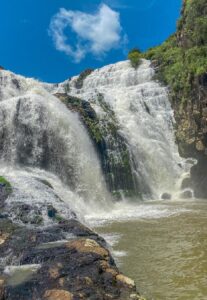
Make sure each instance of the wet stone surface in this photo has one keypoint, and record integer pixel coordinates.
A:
(65, 260)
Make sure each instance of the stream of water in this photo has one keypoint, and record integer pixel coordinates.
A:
(165, 253)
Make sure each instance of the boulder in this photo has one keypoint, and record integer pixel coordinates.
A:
(186, 194)
(81, 268)
(166, 196)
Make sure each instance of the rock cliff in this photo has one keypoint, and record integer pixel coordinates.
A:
(181, 63)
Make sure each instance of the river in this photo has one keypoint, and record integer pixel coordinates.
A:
(166, 255)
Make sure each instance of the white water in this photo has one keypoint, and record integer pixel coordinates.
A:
(41, 139)
(146, 120)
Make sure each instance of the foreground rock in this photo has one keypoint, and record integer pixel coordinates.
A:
(63, 261)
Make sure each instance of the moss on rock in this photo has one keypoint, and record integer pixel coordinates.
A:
(5, 184)
(115, 156)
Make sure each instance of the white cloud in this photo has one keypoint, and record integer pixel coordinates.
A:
(96, 33)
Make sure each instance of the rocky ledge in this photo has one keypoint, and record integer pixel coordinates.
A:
(65, 260)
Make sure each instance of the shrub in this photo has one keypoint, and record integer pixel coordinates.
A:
(134, 56)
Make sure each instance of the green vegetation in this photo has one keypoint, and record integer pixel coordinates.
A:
(183, 57)
(59, 218)
(194, 22)
(134, 56)
(6, 183)
(110, 145)
(172, 70)
(87, 114)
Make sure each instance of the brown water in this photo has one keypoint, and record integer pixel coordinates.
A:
(167, 257)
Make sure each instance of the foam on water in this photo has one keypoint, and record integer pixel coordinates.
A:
(125, 211)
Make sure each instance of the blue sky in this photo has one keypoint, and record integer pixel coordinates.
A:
(52, 40)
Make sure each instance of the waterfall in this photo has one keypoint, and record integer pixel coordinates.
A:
(48, 156)
(143, 110)
(42, 141)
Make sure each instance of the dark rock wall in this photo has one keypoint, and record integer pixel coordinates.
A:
(114, 153)
(192, 119)
(181, 63)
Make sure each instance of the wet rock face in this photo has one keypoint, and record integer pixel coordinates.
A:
(80, 267)
(116, 159)
(5, 190)
(166, 196)
(64, 261)
(192, 136)
(199, 177)
(186, 194)
(191, 118)
(3, 195)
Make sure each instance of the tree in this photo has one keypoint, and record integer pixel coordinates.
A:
(134, 56)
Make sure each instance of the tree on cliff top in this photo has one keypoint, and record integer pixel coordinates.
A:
(134, 56)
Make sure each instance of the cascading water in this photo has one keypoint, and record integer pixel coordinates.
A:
(68, 152)
(143, 110)
(37, 132)
(44, 144)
